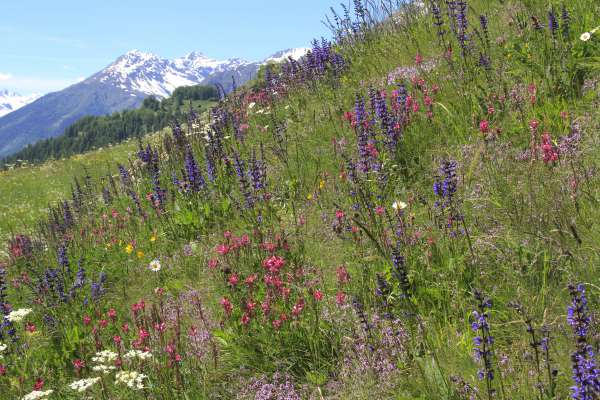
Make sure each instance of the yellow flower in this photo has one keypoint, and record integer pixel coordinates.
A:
(309, 197)
(129, 249)
(153, 238)
(140, 254)
(321, 184)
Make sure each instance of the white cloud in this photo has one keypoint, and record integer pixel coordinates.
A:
(5, 77)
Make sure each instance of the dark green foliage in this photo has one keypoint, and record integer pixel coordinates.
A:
(92, 132)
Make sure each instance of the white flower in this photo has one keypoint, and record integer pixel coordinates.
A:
(132, 379)
(3, 347)
(251, 105)
(142, 355)
(18, 315)
(84, 384)
(37, 394)
(154, 266)
(399, 205)
(585, 36)
(105, 357)
(103, 369)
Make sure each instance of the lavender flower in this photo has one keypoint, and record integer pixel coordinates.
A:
(484, 341)
(194, 175)
(586, 375)
(240, 169)
(552, 23)
(566, 22)
(6, 326)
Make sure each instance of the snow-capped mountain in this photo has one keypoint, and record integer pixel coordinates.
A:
(146, 73)
(122, 85)
(281, 56)
(10, 101)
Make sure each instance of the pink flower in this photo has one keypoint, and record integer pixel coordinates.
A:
(342, 274)
(3, 370)
(227, 306)
(87, 320)
(379, 210)
(318, 295)
(222, 249)
(143, 334)
(274, 264)
(533, 125)
(418, 59)
(233, 279)
(298, 307)
(339, 214)
(112, 314)
(249, 281)
(491, 110)
(29, 327)
(245, 319)
(78, 364)
(277, 324)
(340, 298)
(39, 384)
(212, 263)
(103, 323)
(484, 126)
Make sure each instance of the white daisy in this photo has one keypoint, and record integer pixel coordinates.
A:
(399, 205)
(585, 36)
(154, 266)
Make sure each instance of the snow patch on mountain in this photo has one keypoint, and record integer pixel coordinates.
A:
(10, 101)
(281, 56)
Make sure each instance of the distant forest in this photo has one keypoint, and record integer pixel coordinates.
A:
(92, 132)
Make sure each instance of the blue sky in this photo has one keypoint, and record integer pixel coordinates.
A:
(47, 45)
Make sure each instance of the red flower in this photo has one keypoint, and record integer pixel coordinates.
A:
(298, 307)
(418, 59)
(318, 295)
(233, 279)
(379, 210)
(342, 274)
(39, 384)
(112, 314)
(78, 364)
(277, 324)
(270, 247)
(340, 298)
(117, 340)
(212, 263)
(274, 264)
(143, 334)
(87, 320)
(29, 327)
(339, 214)
(103, 323)
(3, 370)
(222, 249)
(245, 319)
(227, 306)
(251, 279)
(484, 126)
(125, 327)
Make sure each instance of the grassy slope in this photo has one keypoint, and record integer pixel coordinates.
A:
(529, 235)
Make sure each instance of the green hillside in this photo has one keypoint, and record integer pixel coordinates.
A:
(409, 212)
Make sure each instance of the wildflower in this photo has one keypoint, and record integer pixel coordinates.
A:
(84, 384)
(274, 264)
(129, 248)
(105, 357)
(37, 394)
(340, 298)
(18, 315)
(87, 320)
(483, 343)
(142, 355)
(318, 295)
(399, 205)
(342, 275)
(233, 280)
(245, 319)
(222, 249)
(585, 36)
(140, 254)
(484, 126)
(39, 384)
(29, 327)
(585, 373)
(133, 380)
(3, 370)
(212, 263)
(227, 306)
(154, 265)
(78, 364)
(3, 348)
(153, 238)
(103, 369)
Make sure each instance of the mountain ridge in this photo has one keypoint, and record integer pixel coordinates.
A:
(121, 85)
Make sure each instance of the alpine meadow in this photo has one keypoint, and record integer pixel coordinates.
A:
(408, 211)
